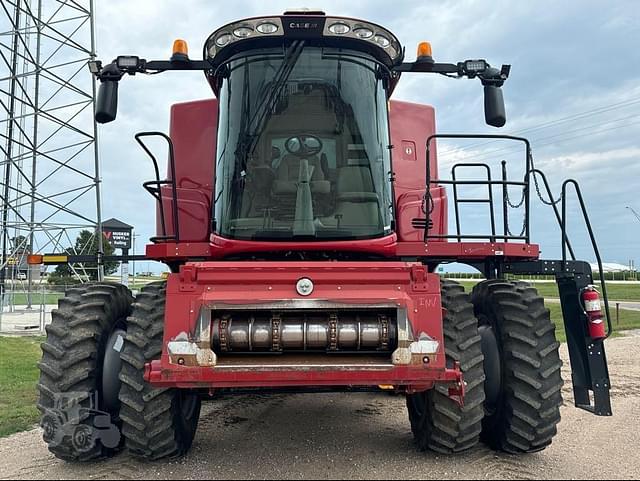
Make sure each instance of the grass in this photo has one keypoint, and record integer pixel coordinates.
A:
(616, 292)
(19, 372)
(628, 320)
(19, 358)
(619, 292)
(18, 378)
(20, 298)
(37, 298)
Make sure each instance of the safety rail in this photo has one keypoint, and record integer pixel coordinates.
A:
(531, 174)
(154, 187)
(594, 244)
(489, 182)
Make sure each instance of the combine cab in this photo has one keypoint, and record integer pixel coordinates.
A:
(303, 218)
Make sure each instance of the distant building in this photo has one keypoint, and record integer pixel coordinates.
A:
(611, 267)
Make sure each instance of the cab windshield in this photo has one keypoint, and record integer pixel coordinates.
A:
(303, 147)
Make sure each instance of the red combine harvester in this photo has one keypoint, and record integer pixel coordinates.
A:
(304, 220)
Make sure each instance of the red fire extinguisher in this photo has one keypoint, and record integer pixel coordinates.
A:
(593, 309)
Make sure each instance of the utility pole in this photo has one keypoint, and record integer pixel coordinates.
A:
(634, 213)
(133, 283)
(9, 160)
(44, 90)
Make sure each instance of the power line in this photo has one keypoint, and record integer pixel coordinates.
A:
(545, 125)
(562, 137)
(634, 213)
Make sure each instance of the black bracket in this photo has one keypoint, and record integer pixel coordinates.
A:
(117, 69)
(589, 370)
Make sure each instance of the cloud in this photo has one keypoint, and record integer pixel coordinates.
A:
(568, 58)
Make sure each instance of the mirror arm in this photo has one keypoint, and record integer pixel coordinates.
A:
(492, 77)
(488, 76)
(427, 67)
(165, 65)
(110, 72)
(115, 72)
(106, 104)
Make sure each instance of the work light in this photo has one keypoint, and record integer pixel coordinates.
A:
(128, 62)
(339, 28)
(475, 66)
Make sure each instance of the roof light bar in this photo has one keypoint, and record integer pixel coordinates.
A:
(316, 28)
(371, 33)
(242, 30)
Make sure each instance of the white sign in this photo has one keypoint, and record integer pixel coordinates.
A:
(124, 274)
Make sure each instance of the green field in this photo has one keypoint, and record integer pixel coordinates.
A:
(19, 373)
(628, 320)
(38, 298)
(19, 356)
(616, 292)
(18, 378)
(20, 298)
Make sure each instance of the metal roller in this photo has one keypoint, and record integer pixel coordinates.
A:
(350, 332)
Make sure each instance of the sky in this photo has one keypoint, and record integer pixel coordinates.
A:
(574, 91)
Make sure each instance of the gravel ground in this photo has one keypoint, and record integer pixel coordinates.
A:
(362, 436)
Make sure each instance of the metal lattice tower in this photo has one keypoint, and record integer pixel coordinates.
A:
(49, 168)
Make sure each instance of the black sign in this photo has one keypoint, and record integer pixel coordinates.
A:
(118, 238)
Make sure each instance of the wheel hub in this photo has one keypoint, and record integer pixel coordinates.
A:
(492, 367)
(111, 371)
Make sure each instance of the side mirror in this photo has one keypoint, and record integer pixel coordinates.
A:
(494, 111)
(107, 102)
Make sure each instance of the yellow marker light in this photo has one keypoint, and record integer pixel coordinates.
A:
(424, 50)
(180, 47)
(386, 387)
(55, 259)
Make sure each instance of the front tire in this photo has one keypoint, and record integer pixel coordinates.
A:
(437, 421)
(72, 371)
(157, 423)
(523, 415)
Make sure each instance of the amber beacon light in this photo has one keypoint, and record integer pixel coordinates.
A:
(424, 52)
(180, 51)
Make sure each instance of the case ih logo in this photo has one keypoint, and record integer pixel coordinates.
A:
(304, 26)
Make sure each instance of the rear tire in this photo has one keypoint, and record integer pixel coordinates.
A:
(71, 369)
(156, 423)
(526, 412)
(438, 422)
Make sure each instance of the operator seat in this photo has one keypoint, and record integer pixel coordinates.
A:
(357, 203)
(355, 179)
(288, 174)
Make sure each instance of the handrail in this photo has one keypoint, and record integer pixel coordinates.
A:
(154, 187)
(553, 203)
(531, 172)
(592, 237)
(525, 184)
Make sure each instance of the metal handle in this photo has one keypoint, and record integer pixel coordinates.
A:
(592, 237)
(159, 183)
